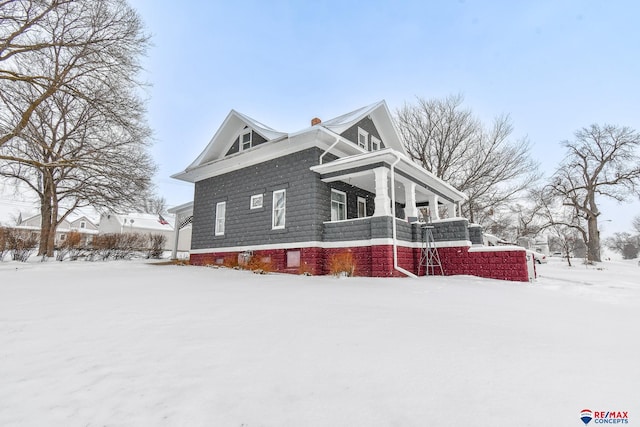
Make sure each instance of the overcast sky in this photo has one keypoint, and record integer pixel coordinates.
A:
(554, 66)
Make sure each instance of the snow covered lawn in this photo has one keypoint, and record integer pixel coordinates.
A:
(133, 344)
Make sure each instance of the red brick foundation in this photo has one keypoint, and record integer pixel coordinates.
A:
(377, 261)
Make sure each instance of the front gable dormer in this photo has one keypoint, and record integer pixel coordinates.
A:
(236, 134)
(247, 139)
(371, 128)
(365, 135)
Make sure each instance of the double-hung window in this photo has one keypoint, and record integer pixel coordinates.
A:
(221, 209)
(338, 205)
(363, 138)
(279, 209)
(375, 143)
(245, 140)
(362, 207)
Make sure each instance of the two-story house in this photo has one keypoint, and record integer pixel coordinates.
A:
(340, 185)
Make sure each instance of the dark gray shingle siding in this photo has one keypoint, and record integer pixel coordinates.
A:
(244, 226)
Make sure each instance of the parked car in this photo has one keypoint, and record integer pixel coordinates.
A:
(538, 257)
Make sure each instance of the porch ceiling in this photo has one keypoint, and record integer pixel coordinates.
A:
(358, 171)
(366, 181)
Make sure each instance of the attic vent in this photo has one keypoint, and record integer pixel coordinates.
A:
(315, 121)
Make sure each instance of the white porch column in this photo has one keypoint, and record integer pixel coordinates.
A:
(433, 206)
(176, 237)
(382, 200)
(452, 210)
(410, 209)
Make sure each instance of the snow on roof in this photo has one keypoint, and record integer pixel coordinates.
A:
(261, 128)
(143, 220)
(341, 123)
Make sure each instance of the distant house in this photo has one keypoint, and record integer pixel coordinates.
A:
(83, 225)
(342, 185)
(136, 223)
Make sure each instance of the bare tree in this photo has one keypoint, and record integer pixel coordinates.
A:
(85, 139)
(51, 45)
(153, 204)
(602, 161)
(625, 244)
(23, 34)
(518, 220)
(481, 161)
(636, 224)
(564, 224)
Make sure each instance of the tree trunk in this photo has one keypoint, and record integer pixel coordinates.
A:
(45, 224)
(54, 220)
(49, 212)
(593, 245)
(45, 212)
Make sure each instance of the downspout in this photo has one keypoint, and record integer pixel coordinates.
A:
(338, 139)
(330, 148)
(394, 226)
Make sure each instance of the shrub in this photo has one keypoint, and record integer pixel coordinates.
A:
(304, 269)
(4, 248)
(156, 245)
(72, 246)
(260, 264)
(230, 261)
(118, 246)
(104, 246)
(127, 244)
(21, 243)
(342, 264)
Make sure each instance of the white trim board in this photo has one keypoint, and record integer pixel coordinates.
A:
(330, 245)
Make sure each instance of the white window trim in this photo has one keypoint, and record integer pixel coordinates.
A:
(333, 191)
(256, 197)
(242, 134)
(364, 202)
(362, 132)
(220, 220)
(273, 210)
(375, 141)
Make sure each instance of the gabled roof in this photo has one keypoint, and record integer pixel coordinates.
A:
(232, 124)
(212, 159)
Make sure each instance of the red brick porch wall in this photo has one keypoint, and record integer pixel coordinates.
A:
(377, 261)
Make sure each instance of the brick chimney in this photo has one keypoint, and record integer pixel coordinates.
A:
(315, 121)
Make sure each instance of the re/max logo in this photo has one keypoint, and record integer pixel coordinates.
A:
(612, 414)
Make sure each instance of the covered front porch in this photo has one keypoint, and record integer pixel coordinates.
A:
(402, 188)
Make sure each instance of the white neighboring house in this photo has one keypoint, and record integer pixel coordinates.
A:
(82, 225)
(140, 223)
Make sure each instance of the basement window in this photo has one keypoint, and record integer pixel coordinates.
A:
(293, 259)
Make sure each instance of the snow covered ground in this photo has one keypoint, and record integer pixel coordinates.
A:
(133, 344)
